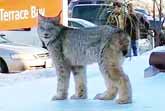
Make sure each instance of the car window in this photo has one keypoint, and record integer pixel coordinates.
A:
(86, 2)
(74, 24)
(155, 25)
(96, 13)
(100, 2)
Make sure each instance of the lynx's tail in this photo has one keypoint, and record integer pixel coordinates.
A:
(124, 41)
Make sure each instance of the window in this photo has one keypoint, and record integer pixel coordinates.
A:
(94, 13)
(74, 24)
(99, 2)
(87, 2)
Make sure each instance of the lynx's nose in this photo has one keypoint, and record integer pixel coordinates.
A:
(46, 35)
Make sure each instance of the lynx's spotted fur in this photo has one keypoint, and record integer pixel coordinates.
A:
(73, 49)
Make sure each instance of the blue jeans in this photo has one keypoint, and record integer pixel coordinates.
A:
(133, 48)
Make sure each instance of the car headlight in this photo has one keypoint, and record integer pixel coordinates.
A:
(23, 56)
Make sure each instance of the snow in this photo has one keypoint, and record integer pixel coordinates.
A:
(33, 90)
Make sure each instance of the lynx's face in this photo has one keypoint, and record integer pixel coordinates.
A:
(48, 28)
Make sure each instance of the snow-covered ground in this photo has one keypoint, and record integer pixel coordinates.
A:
(33, 90)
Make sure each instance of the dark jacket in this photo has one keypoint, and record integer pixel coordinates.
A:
(132, 26)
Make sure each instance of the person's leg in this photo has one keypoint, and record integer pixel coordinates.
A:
(134, 47)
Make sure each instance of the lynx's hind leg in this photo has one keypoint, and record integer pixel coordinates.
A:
(63, 77)
(79, 73)
(111, 88)
(111, 58)
(111, 91)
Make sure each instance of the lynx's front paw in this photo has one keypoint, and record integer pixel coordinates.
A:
(124, 100)
(79, 97)
(105, 96)
(59, 97)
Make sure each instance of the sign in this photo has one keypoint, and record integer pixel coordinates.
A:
(23, 13)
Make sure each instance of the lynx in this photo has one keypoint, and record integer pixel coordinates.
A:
(72, 49)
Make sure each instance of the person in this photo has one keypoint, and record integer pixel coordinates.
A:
(116, 17)
(126, 21)
(132, 28)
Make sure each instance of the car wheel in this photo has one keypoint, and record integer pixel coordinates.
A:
(3, 67)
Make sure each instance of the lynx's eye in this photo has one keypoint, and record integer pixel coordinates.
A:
(42, 28)
(51, 28)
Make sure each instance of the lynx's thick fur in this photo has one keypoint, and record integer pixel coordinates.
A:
(73, 49)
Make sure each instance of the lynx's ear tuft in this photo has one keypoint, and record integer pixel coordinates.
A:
(40, 17)
(59, 14)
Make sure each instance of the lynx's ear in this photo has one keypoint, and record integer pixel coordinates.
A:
(58, 17)
(40, 17)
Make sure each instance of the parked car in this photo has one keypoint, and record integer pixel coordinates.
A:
(79, 23)
(18, 57)
(142, 10)
(157, 24)
(143, 17)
